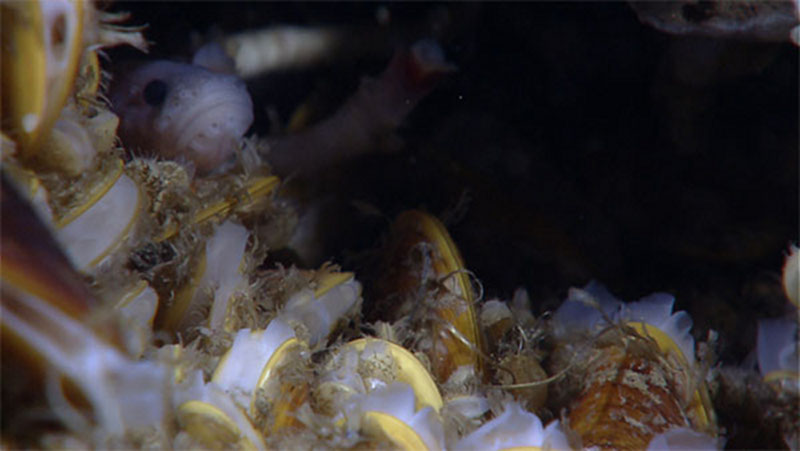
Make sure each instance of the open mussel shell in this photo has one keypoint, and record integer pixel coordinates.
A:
(211, 426)
(268, 372)
(32, 261)
(398, 433)
(388, 416)
(137, 306)
(286, 382)
(214, 421)
(423, 275)
(382, 391)
(407, 368)
(218, 265)
(50, 314)
(103, 221)
(42, 44)
(253, 369)
(228, 411)
(286, 379)
(205, 297)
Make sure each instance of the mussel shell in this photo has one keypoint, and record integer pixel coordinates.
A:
(423, 275)
(42, 44)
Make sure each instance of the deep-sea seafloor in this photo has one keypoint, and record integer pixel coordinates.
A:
(572, 143)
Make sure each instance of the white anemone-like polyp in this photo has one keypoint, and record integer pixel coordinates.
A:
(239, 369)
(320, 314)
(778, 350)
(684, 439)
(514, 428)
(224, 268)
(206, 409)
(656, 310)
(584, 310)
(138, 307)
(405, 426)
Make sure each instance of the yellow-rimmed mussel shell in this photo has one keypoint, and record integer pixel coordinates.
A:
(254, 362)
(211, 418)
(218, 272)
(634, 368)
(103, 219)
(422, 276)
(50, 315)
(42, 44)
(209, 275)
(379, 389)
(255, 190)
(267, 372)
(401, 365)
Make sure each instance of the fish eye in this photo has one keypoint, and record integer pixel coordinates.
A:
(155, 92)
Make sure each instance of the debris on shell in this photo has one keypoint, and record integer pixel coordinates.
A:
(519, 374)
(637, 377)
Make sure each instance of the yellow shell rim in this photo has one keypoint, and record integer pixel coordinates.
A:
(185, 295)
(410, 371)
(205, 409)
(100, 190)
(132, 294)
(401, 434)
(256, 188)
(437, 233)
(125, 231)
(701, 401)
(331, 280)
(275, 359)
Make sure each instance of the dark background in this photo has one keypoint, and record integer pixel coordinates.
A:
(573, 143)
